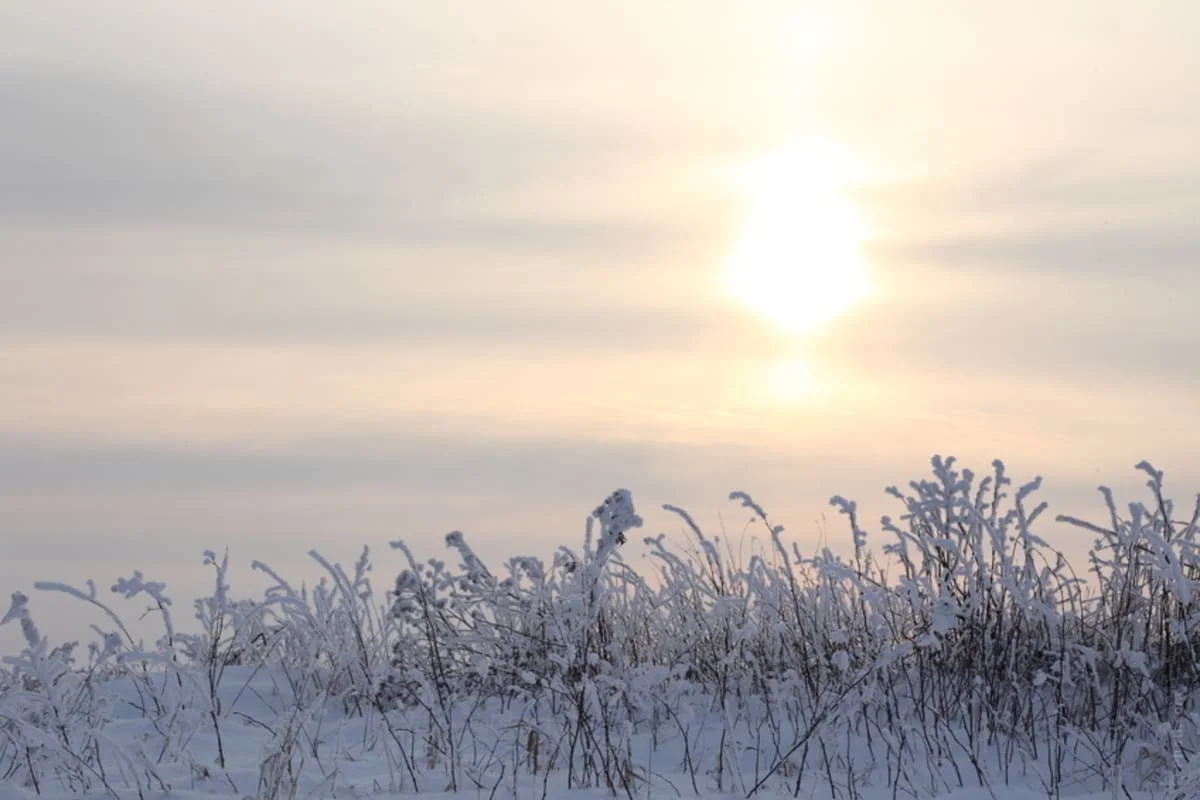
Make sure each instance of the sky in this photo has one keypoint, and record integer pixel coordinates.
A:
(285, 275)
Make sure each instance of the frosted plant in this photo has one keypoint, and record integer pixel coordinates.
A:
(19, 610)
(947, 648)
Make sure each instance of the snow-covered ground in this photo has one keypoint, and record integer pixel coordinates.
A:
(966, 660)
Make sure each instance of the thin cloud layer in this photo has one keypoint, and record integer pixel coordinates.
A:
(461, 265)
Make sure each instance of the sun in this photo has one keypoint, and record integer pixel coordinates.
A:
(797, 260)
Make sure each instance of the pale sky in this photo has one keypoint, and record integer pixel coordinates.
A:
(282, 275)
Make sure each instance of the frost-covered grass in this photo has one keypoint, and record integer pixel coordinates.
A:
(963, 657)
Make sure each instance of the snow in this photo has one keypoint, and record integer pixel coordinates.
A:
(967, 662)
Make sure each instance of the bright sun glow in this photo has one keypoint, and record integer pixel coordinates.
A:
(797, 260)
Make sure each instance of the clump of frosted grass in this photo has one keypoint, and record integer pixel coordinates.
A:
(961, 651)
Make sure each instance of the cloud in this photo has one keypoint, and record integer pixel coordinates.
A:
(183, 287)
(103, 149)
(411, 462)
(1054, 210)
(184, 210)
(123, 504)
(564, 470)
(1103, 247)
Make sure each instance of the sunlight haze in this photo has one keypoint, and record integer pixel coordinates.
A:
(284, 275)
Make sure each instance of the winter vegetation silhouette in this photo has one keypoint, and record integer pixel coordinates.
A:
(952, 652)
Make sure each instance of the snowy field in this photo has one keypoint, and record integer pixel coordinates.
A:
(950, 653)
